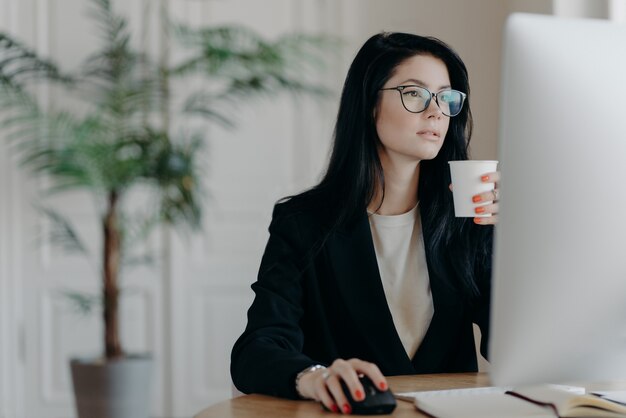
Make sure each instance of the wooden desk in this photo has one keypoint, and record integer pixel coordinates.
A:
(260, 406)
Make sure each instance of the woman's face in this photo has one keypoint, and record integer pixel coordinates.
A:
(413, 136)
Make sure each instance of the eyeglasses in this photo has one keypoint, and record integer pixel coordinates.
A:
(416, 99)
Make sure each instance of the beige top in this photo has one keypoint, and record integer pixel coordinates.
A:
(399, 245)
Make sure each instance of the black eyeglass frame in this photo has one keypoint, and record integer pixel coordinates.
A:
(399, 89)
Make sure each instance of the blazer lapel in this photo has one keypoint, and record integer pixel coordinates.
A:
(356, 270)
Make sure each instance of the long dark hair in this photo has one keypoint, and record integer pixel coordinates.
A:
(458, 251)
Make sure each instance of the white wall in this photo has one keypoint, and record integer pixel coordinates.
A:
(598, 9)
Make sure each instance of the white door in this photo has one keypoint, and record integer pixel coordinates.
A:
(279, 148)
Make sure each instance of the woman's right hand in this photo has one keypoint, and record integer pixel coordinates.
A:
(325, 385)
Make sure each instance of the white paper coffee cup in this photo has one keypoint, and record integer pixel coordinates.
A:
(466, 183)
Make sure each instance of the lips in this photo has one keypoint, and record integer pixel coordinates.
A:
(429, 133)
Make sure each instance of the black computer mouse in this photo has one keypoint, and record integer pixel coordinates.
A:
(376, 402)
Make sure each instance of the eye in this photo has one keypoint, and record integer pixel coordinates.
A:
(415, 92)
(449, 96)
(444, 95)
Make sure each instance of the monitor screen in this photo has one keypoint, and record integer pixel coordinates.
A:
(559, 280)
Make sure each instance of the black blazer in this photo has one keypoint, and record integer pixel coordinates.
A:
(321, 299)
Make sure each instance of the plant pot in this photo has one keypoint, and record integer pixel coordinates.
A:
(118, 388)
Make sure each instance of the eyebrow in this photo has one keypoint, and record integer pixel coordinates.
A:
(422, 84)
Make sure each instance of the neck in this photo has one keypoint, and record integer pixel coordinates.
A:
(401, 183)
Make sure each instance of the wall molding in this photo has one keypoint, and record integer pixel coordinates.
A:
(11, 321)
(9, 330)
(11, 352)
(50, 319)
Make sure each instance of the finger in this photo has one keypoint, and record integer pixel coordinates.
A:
(490, 177)
(348, 373)
(336, 391)
(487, 220)
(324, 396)
(488, 196)
(491, 209)
(372, 371)
(450, 186)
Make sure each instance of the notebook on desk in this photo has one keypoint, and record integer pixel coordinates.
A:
(539, 401)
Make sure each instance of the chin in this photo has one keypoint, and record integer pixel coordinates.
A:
(418, 153)
(429, 154)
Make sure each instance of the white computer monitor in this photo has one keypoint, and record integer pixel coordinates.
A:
(559, 282)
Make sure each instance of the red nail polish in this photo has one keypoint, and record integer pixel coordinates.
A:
(334, 408)
(382, 386)
(479, 209)
(347, 409)
(359, 395)
(477, 220)
(484, 178)
(477, 199)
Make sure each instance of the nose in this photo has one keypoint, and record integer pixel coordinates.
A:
(433, 109)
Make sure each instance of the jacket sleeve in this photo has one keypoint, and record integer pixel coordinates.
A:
(481, 318)
(268, 355)
(482, 310)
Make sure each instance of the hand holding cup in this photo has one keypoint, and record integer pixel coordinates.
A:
(475, 191)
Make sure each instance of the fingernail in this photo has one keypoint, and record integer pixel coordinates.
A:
(477, 220)
(347, 409)
(479, 209)
(359, 395)
(477, 199)
(382, 386)
(484, 178)
(334, 408)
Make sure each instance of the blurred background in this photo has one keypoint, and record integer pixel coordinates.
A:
(188, 307)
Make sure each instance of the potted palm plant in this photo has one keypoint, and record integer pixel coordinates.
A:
(117, 145)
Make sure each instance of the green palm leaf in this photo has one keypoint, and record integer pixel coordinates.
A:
(20, 64)
(246, 67)
(63, 232)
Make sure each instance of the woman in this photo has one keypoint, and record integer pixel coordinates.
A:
(369, 271)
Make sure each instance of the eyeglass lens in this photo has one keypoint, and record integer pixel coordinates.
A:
(416, 99)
